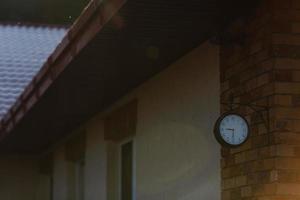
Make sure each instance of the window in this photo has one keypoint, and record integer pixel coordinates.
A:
(76, 176)
(46, 174)
(79, 179)
(51, 188)
(75, 157)
(121, 170)
(127, 185)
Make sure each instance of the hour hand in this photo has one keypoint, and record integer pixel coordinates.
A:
(230, 129)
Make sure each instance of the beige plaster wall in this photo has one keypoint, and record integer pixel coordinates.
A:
(60, 175)
(177, 157)
(95, 176)
(95, 167)
(18, 178)
(43, 190)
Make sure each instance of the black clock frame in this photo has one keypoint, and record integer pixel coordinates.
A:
(217, 132)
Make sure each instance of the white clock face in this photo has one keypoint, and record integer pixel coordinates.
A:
(234, 129)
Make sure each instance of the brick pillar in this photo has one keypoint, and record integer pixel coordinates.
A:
(264, 69)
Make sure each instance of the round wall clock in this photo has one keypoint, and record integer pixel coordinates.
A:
(231, 130)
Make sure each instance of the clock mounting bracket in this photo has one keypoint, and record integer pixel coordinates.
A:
(258, 109)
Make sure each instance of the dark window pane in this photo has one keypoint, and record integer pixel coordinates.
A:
(126, 162)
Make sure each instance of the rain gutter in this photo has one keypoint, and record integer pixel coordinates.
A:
(93, 18)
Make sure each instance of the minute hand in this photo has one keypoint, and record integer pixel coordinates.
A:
(230, 129)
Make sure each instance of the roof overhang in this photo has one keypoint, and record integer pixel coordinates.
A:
(112, 48)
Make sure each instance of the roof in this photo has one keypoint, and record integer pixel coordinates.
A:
(104, 51)
(23, 51)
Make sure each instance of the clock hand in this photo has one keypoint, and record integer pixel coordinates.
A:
(231, 129)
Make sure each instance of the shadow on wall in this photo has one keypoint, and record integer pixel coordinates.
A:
(178, 164)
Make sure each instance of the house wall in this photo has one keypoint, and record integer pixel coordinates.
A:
(264, 73)
(60, 175)
(18, 178)
(176, 153)
(95, 179)
(177, 156)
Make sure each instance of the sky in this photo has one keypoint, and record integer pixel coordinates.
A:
(62, 12)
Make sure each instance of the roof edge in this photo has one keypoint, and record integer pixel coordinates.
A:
(92, 19)
(33, 24)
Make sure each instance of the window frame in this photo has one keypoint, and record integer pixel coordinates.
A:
(80, 173)
(120, 145)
